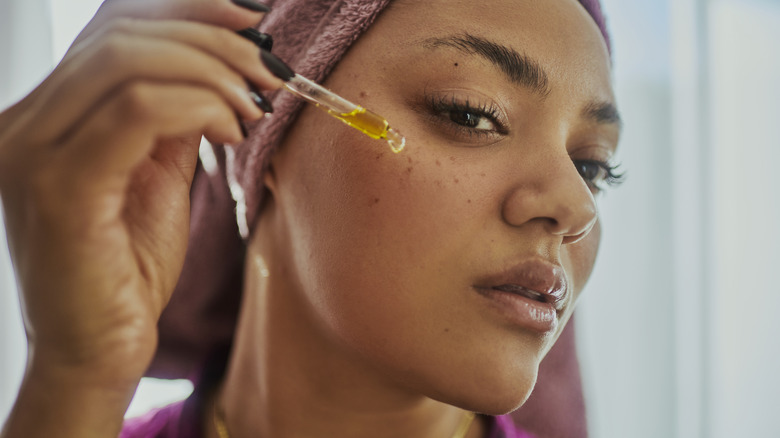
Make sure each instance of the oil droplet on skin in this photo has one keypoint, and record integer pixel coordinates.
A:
(373, 125)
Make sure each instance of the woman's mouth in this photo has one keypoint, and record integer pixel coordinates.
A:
(522, 291)
(531, 294)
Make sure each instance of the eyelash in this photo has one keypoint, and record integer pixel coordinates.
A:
(611, 176)
(444, 107)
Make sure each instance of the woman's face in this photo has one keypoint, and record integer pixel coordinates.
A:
(453, 266)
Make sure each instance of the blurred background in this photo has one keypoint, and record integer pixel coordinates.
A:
(678, 328)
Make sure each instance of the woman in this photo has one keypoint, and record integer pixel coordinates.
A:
(384, 294)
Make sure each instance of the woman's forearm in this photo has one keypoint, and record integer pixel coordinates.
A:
(62, 402)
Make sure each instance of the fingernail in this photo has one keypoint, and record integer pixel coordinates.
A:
(261, 101)
(276, 65)
(252, 5)
(262, 40)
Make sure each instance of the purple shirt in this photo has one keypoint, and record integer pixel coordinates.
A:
(182, 420)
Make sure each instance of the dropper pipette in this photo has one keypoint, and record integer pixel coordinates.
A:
(365, 121)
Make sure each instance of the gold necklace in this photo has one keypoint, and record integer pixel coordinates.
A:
(222, 431)
(465, 424)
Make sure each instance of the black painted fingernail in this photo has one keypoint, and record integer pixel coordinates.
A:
(276, 65)
(261, 101)
(262, 40)
(252, 5)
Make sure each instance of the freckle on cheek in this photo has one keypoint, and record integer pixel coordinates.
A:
(438, 163)
(456, 180)
(363, 94)
(380, 155)
(469, 201)
(409, 170)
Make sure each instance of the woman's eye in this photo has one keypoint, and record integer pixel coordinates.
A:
(472, 120)
(598, 174)
(465, 119)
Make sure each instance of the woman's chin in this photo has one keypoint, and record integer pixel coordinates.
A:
(492, 394)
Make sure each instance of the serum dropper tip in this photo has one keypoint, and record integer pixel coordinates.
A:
(396, 141)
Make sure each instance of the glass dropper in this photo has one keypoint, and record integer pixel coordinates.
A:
(365, 121)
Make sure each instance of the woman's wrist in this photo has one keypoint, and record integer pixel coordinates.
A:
(63, 400)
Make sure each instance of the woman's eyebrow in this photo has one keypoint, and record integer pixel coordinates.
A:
(603, 113)
(519, 68)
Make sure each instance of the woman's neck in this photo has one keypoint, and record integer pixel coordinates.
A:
(286, 379)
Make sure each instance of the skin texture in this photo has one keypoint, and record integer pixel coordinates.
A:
(368, 321)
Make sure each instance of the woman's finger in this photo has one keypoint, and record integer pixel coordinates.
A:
(237, 52)
(224, 13)
(122, 132)
(73, 91)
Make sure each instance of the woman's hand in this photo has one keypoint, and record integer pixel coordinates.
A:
(95, 173)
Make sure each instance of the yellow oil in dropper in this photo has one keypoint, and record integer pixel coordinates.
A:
(365, 121)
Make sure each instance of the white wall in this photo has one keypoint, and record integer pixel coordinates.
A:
(745, 89)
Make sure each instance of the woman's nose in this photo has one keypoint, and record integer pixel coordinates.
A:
(553, 194)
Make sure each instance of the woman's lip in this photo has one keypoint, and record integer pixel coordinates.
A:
(541, 277)
(522, 311)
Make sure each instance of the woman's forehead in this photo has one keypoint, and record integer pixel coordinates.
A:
(540, 44)
(555, 27)
(541, 17)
